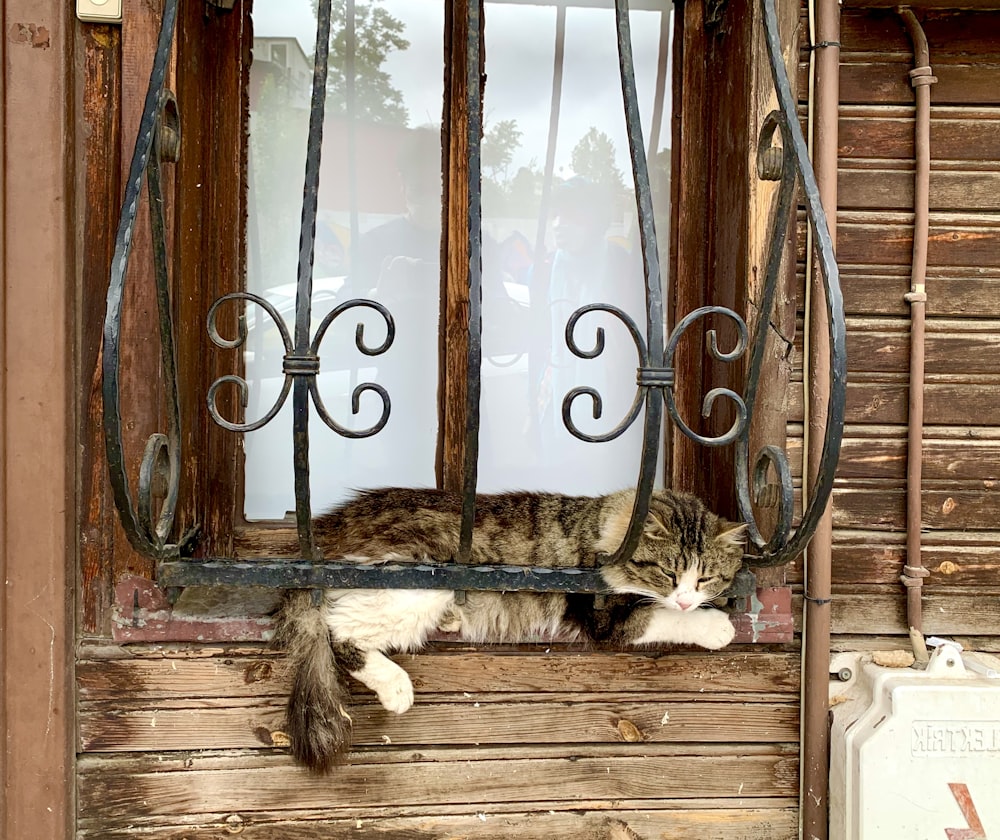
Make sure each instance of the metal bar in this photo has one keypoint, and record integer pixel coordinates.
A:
(304, 574)
(303, 364)
(474, 102)
(653, 420)
(145, 540)
(833, 305)
(921, 78)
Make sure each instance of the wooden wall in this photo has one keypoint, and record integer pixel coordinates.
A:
(527, 743)
(961, 468)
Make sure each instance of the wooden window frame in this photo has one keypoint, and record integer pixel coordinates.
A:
(710, 189)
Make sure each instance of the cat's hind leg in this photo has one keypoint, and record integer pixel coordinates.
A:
(389, 682)
(374, 621)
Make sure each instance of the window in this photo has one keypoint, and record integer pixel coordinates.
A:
(532, 216)
(559, 231)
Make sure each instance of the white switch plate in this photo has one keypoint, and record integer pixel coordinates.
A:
(99, 11)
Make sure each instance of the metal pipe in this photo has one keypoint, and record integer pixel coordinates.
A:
(815, 750)
(921, 78)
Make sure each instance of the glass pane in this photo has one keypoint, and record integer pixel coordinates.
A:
(378, 237)
(560, 231)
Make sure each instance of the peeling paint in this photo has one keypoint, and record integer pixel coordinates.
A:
(30, 34)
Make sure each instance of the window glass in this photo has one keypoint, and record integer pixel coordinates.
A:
(559, 227)
(559, 231)
(378, 237)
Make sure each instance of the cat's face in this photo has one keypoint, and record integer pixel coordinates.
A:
(686, 556)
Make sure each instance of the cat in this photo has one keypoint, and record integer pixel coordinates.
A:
(686, 557)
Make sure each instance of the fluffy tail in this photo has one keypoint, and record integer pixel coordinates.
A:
(319, 727)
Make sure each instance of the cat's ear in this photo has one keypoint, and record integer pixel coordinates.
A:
(731, 535)
(654, 528)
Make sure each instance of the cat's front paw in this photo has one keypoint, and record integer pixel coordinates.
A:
(713, 629)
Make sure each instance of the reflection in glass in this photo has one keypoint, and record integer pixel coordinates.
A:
(378, 237)
(559, 231)
(559, 219)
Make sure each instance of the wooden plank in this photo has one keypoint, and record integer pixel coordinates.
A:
(473, 720)
(949, 35)
(885, 458)
(100, 47)
(886, 132)
(883, 508)
(209, 257)
(882, 82)
(964, 241)
(951, 292)
(39, 264)
(888, 352)
(949, 190)
(609, 823)
(945, 614)
(878, 557)
(150, 791)
(261, 676)
(968, 403)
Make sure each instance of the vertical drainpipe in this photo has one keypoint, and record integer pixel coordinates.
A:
(921, 78)
(815, 750)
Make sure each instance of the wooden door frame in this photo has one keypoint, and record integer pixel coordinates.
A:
(36, 427)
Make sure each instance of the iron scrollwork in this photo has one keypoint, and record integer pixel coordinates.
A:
(148, 530)
(786, 164)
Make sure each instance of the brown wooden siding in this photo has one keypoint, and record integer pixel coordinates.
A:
(961, 468)
(529, 742)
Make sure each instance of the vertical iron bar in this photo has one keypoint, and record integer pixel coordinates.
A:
(303, 295)
(834, 428)
(165, 520)
(654, 283)
(550, 149)
(142, 541)
(350, 97)
(475, 116)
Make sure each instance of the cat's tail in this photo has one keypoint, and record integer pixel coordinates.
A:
(319, 727)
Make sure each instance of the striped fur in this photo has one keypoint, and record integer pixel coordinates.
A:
(686, 557)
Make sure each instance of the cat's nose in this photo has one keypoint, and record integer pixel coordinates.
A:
(686, 602)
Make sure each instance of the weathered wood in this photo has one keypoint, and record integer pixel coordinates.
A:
(945, 614)
(886, 402)
(888, 351)
(958, 84)
(209, 258)
(886, 239)
(150, 791)
(100, 47)
(886, 132)
(882, 507)
(878, 557)
(865, 189)
(454, 347)
(953, 291)
(261, 676)
(659, 820)
(471, 720)
(885, 457)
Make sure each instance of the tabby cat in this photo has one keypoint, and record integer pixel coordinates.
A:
(686, 556)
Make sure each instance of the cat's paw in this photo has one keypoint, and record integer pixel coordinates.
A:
(713, 629)
(397, 695)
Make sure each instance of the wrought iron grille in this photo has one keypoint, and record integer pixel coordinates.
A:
(149, 531)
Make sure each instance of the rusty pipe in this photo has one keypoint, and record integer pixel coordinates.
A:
(815, 749)
(921, 78)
